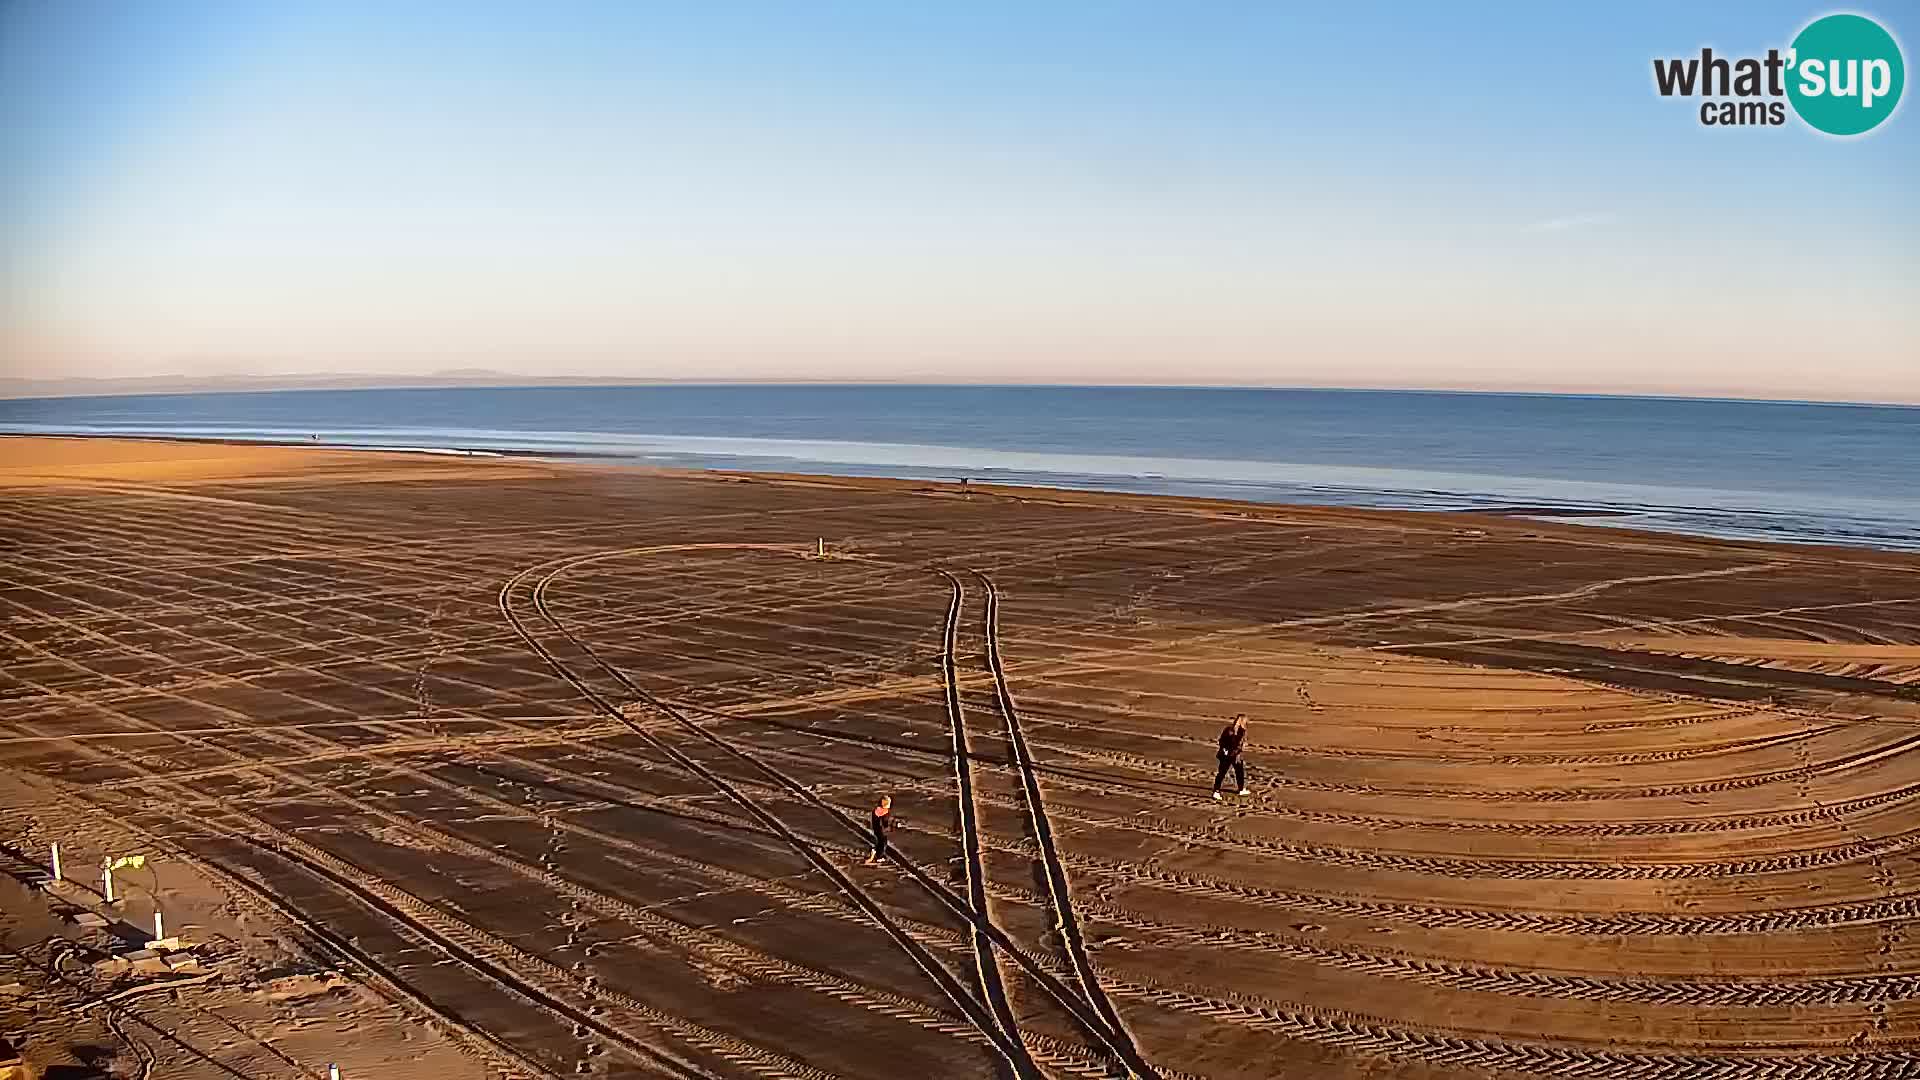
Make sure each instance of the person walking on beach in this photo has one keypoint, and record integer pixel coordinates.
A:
(882, 825)
(1233, 738)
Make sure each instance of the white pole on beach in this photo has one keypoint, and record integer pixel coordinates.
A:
(820, 547)
(333, 1072)
(56, 860)
(106, 880)
(159, 928)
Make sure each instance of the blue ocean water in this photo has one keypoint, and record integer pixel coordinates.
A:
(1847, 474)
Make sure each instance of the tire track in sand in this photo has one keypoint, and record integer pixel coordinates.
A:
(986, 961)
(1059, 889)
(1014, 1055)
(1089, 1021)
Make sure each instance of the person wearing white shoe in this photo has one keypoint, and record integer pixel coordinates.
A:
(1232, 741)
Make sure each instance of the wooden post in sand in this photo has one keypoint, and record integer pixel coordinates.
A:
(159, 928)
(56, 860)
(106, 880)
(820, 547)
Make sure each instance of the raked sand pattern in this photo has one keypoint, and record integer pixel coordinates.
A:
(466, 768)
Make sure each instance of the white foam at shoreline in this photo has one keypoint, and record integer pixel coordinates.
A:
(1779, 515)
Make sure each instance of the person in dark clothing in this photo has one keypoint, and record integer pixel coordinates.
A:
(1232, 740)
(882, 825)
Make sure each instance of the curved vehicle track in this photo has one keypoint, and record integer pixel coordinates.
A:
(1554, 850)
(1509, 1055)
(1059, 889)
(1014, 1055)
(986, 960)
(1619, 924)
(1056, 1055)
(1091, 781)
(1542, 795)
(1045, 979)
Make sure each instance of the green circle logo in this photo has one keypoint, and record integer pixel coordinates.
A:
(1845, 74)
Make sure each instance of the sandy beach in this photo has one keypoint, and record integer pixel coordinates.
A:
(449, 767)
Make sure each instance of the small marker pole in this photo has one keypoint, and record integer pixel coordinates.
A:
(159, 929)
(333, 1072)
(820, 547)
(106, 880)
(56, 860)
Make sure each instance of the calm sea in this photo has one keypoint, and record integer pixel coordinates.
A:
(1763, 470)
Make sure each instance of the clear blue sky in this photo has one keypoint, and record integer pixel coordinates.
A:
(1348, 194)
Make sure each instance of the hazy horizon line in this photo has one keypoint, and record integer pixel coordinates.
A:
(476, 379)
